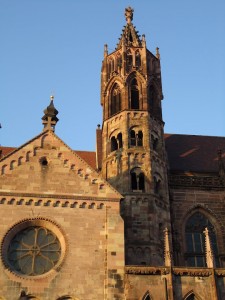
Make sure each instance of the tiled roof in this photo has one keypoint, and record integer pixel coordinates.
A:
(194, 153)
(88, 156)
(5, 150)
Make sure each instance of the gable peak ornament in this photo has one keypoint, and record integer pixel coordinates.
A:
(129, 14)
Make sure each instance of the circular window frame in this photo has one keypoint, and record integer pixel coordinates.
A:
(24, 224)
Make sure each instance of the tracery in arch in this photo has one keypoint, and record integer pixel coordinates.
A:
(115, 100)
(134, 95)
(195, 240)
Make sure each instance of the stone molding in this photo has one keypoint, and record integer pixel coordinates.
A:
(177, 271)
(200, 182)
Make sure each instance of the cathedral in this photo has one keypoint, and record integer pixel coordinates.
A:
(141, 218)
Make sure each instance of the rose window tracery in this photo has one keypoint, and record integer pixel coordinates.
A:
(34, 251)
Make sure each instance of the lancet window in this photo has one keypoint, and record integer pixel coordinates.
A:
(115, 100)
(134, 95)
(195, 240)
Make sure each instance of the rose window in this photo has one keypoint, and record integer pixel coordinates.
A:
(34, 250)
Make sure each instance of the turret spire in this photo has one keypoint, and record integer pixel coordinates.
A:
(129, 35)
(49, 119)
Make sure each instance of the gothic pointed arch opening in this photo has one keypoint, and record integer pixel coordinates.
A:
(195, 225)
(147, 296)
(115, 100)
(191, 296)
(134, 95)
(137, 179)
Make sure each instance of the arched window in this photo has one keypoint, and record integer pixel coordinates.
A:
(195, 240)
(116, 142)
(119, 139)
(137, 180)
(147, 297)
(136, 139)
(191, 296)
(140, 138)
(114, 145)
(134, 95)
(132, 138)
(115, 100)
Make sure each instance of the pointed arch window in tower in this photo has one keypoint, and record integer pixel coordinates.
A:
(134, 95)
(195, 240)
(115, 100)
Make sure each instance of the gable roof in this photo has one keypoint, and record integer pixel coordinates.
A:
(194, 153)
(64, 171)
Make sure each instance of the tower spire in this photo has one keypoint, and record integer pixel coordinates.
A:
(49, 119)
(129, 36)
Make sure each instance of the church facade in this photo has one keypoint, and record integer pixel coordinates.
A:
(142, 218)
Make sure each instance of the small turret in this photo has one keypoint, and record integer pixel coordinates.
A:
(49, 119)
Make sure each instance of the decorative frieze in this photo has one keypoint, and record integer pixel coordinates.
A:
(202, 182)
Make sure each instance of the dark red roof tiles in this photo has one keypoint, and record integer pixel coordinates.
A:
(5, 150)
(194, 153)
(88, 156)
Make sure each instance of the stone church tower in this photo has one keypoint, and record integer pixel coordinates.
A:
(142, 218)
(133, 151)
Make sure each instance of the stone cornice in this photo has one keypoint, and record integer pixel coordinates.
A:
(56, 196)
(177, 271)
(143, 270)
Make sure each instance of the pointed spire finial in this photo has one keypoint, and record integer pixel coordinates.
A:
(157, 53)
(129, 14)
(167, 250)
(210, 262)
(105, 50)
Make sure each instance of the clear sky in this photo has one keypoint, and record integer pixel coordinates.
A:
(56, 47)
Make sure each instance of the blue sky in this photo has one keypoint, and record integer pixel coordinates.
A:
(56, 46)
